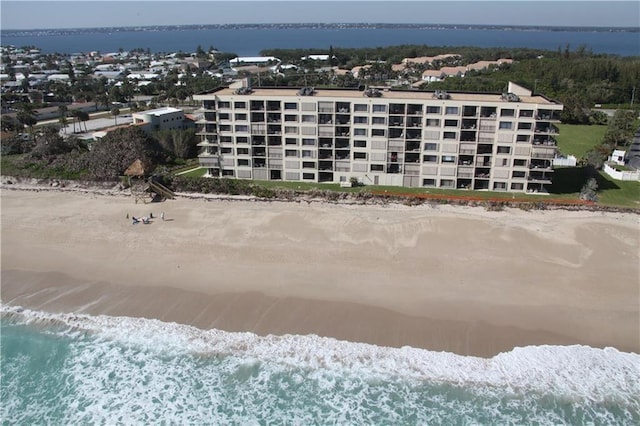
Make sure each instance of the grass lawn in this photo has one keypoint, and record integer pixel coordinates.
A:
(617, 193)
(577, 139)
(561, 193)
(199, 172)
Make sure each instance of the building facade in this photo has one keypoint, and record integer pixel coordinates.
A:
(480, 141)
(166, 118)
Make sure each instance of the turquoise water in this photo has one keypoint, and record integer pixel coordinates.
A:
(77, 369)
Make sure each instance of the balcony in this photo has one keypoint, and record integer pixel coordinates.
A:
(543, 153)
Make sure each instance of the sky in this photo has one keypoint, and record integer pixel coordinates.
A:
(25, 14)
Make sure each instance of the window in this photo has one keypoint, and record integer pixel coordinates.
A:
(379, 120)
(450, 123)
(428, 182)
(291, 118)
(291, 106)
(507, 113)
(526, 113)
(225, 127)
(242, 128)
(429, 158)
(360, 120)
(308, 118)
(451, 110)
(430, 146)
(446, 183)
(379, 108)
(448, 159)
(518, 174)
(505, 162)
(223, 104)
(359, 155)
(243, 151)
(517, 186)
(227, 173)
(519, 163)
(240, 105)
(290, 130)
(227, 150)
(522, 138)
(360, 107)
(433, 110)
(449, 135)
(291, 141)
(360, 132)
(241, 117)
(360, 144)
(433, 122)
(242, 139)
(224, 116)
(308, 142)
(504, 150)
(243, 162)
(226, 139)
(499, 185)
(524, 126)
(308, 106)
(378, 132)
(308, 164)
(377, 168)
(291, 153)
(308, 176)
(307, 154)
(506, 125)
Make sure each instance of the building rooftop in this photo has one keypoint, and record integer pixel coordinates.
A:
(159, 111)
(417, 95)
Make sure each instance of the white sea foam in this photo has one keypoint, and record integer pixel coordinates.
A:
(259, 371)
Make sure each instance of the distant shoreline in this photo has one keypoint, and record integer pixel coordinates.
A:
(426, 26)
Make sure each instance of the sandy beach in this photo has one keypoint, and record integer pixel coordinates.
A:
(444, 278)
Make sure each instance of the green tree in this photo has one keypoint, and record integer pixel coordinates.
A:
(111, 155)
(621, 128)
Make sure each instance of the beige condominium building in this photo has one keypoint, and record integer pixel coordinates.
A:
(480, 141)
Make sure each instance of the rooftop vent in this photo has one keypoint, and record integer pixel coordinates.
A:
(510, 97)
(243, 91)
(306, 91)
(372, 93)
(441, 94)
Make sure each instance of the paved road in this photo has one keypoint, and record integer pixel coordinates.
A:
(97, 121)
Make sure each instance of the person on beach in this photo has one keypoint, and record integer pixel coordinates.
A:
(162, 216)
(134, 220)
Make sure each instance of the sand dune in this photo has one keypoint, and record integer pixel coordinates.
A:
(448, 278)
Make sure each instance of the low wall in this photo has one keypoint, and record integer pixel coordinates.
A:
(626, 175)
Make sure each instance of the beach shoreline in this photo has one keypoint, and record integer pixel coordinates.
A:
(457, 279)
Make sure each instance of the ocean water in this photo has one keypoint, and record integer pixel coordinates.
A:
(250, 42)
(79, 369)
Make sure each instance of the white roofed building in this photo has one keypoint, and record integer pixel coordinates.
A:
(158, 119)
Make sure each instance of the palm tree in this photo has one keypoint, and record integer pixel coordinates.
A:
(115, 112)
(62, 110)
(83, 116)
(27, 117)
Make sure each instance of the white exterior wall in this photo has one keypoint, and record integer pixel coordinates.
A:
(159, 119)
(507, 151)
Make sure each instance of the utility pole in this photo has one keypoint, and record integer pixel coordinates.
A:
(633, 95)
